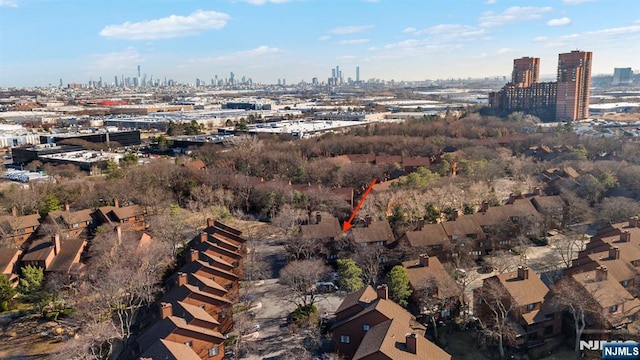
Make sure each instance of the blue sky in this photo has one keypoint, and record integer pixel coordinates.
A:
(42, 41)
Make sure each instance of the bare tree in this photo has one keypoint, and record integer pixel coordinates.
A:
(289, 220)
(300, 278)
(123, 277)
(567, 246)
(369, 260)
(568, 295)
(426, 294)
(170, 228)
(494, 302)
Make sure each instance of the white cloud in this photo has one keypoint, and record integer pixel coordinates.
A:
(503, 51)
(513, 14)
(115, 61)
(169, 27)
(410, 30)
(262, 2)
(240, 56)
(346, 30)
(324, 38)
(540, 38)
(489, 2)
(8, 3)
(563, 21)
(354, 42)
(575, 2)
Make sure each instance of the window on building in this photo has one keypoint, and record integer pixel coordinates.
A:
(189, 343)
(366, 327)
(445, 313)
(380, 243)
(345, 339)
(363, 245)
(214, 351)
(531, 307)
(75, 226)
(613, 309)
(548, 330)
(625, 283)
(436, 247)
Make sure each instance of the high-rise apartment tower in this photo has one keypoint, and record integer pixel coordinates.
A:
(573, 86)
(526, 71)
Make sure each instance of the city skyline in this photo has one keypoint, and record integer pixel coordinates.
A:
(298, 40)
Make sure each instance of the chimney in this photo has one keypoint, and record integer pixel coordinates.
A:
(420, 225)
(485, 206)
(512, 198)
(56, 243)
(625, 236)
(118, 231)
(537, 191)
(66, 207)
(318, 217)
(412, 343)
(601, 273)
(204, 237)
(14, 211)
(210, 222)
(424, 260)
(383, 292)
(166, 310)
(614, 253)
(116, 203)
(633, 222)
(367, 220)
(194, 255)
(523, 272)
(455, 214)
(181, 279)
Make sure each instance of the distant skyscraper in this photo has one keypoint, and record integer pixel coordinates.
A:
(138, 70)
(357, 74)
(622, 76)
(526, 71)
(573, 86)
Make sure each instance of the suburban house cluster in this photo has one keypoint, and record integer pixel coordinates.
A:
(56, 242)
(195, 311)
(371, 326)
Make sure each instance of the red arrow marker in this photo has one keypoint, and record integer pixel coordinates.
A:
(347, 224)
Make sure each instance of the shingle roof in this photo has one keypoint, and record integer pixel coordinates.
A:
(73, 217)
(13, 223)
(69, 250)
(38, 251)
(389, 338)
(463, 226)
(376, 231)
(431, 234)
(6, 257)
(447, 287)
(168, 350)
(329, 227)
(197, 312)
(524, 291)
(364, 295)
(163, 328)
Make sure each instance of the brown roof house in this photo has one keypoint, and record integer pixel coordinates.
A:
(427, 274)
(169, 350)
(70, 223)
(56, 255)
(131, 216)
(618, 307)
(361, 312)
(392, 340)
(429, 238)
(373, 233)
(227, 234)
(16, 230)
(528, 301)
(204, 293)
(9, 261)
(207, 343)
(225, 254)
